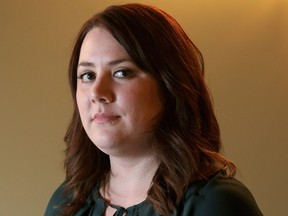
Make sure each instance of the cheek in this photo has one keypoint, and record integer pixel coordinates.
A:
(144, 102)
(78, 100)
(151, 98)
(128, 100)
(81, 102)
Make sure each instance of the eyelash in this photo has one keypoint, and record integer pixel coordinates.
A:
(125, 73)
(84, 77)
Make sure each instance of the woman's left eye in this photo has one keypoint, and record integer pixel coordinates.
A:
(122, 73)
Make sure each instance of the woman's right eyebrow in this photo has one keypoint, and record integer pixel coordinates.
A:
(86, 64)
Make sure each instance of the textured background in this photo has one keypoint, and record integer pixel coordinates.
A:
(245, 45)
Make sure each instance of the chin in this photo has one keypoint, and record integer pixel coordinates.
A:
(105, 144)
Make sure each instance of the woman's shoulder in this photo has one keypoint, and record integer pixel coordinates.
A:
(56, 201)
(219, 195)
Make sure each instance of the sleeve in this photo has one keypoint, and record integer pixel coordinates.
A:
(222, 197)
(55, 202)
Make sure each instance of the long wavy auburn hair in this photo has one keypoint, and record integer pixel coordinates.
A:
(187, 135)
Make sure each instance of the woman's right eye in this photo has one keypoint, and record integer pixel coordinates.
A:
(87, 77)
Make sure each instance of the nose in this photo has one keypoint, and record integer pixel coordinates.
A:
(102, 90)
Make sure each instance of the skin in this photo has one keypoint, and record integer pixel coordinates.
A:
(119, 105)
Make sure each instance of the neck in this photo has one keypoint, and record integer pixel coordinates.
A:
(130, 179)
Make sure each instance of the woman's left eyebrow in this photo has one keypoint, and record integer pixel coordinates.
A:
(118, 61)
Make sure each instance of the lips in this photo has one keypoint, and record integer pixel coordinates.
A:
(104, 118)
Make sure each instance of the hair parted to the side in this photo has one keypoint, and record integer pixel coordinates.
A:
(187, 138)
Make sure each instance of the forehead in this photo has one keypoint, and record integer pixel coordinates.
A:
(99, 42)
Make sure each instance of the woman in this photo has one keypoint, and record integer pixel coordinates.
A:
(143, 139)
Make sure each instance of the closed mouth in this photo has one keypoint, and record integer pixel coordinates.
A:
(104, 118)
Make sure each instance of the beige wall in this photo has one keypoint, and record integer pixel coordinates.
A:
(244, 42)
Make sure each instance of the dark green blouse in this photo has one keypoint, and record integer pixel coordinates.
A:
(216, 197)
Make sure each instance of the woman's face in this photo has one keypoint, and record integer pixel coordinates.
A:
(119, 104)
